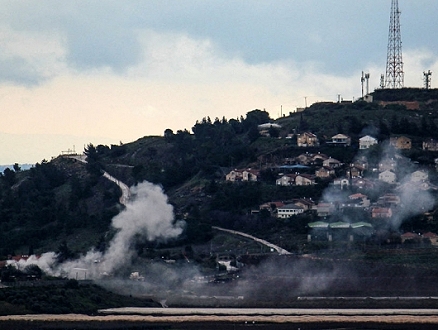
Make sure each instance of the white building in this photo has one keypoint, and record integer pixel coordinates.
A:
(242, 175)
(387, 176)
(286, 180)
(289, 210)
(419, 176)
(367, 141)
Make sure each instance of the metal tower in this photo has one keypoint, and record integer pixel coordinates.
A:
(394, 63)
(365, 78)
(427, 79)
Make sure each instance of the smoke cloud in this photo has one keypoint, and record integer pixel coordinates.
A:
(413, 191)
(147, 215)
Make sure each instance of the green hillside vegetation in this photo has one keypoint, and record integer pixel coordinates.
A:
(63, 297)
(64, 203)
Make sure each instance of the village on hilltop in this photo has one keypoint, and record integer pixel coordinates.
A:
(346, 211)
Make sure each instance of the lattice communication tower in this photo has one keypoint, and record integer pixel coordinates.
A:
(394, 63)
(427, 79)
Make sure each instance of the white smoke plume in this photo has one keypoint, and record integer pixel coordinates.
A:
(414, 200)
(147, 215)
(45, 262)
(415, 197)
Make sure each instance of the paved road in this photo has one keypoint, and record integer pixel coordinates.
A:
(126, 193)
(267, 311)
(262, 241)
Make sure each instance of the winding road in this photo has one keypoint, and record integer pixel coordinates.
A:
(126, 194)
(259, 240)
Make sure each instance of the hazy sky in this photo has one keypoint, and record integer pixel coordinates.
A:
(105, 72)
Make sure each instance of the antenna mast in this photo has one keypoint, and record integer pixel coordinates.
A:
(367, 79)
(427, 79)
(394, 62)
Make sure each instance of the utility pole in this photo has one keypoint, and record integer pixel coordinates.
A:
(394, 63)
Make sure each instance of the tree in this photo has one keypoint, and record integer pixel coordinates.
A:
(274, 132)
(405, 126)
(395, 127)
(33, 270)
(255, 118)
(356, 126)
(303, 124)
(384, 131)
(102, 149)
(253, 134)
(64, 252)
(91, 152)
(93, 166)
(424, 126)
(168, 135)
(9, 177)
(433, 128)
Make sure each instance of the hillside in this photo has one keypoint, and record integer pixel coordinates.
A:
(63, 201)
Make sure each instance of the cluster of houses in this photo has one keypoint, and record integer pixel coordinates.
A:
(326, 167)
(344, 177)
(308, 139)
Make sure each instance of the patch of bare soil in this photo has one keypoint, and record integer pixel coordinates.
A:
(222, 321)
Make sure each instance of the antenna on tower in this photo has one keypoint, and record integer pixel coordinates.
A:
(427, 79)
(367, 78)
(394, 63)
(382, 81)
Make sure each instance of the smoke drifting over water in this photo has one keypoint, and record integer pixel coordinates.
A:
(147, 215)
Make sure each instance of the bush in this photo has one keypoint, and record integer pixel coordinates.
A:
(72, 284)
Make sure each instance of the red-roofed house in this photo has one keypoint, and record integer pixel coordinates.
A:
(381, 212)
(305, 203)
(433, 238)
(409, 236)
(307, 139)
(401, 142)
(324, 172)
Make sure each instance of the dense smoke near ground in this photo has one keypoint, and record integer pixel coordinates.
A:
(280, 278)
(156, 279)
(414, 199)
(148, 215)
(45, 262)
(273, 280)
